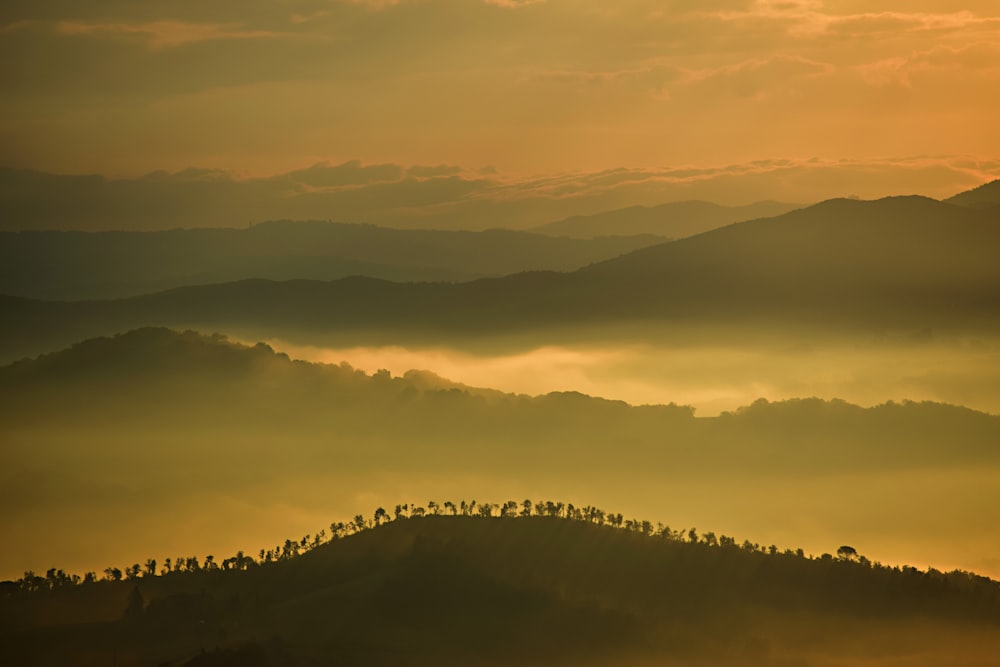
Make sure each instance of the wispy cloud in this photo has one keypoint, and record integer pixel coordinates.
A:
(163, 34)
(452, 197)
(529, 86)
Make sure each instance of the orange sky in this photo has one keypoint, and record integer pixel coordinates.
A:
(264, 86)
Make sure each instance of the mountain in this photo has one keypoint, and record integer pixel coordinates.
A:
(673, 220)
(462, 590)
(905, 263)
(82, 265)
(986, 196)
(155, 441)
(896, 254)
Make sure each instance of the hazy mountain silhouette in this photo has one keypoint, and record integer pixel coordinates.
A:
(538, 590)
(986, 196)
(153, 425)
(393, 195)
(153, 370)
(81, 265)
(673, 220)
(908, 263)
(844, 257)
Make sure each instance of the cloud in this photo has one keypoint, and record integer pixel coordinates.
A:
(162, 34)
(419, 171)
(532, 87)
(449, 197)
(979, 60)
(753, 77)
(324, 175)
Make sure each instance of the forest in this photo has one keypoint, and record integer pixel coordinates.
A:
(482, 582)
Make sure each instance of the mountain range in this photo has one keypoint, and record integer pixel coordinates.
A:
(904, 263)
(672, 220)
(92, 265)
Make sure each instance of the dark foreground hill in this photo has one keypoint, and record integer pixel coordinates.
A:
(540, 590)
(896, 264)
(89, 265)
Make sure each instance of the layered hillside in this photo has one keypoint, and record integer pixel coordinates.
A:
(156, 440)
(899, 264)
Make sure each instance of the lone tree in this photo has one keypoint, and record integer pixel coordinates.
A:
(847, 553)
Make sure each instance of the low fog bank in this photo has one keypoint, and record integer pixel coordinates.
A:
(713, 376)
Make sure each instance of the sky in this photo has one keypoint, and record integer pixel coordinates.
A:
(507, 89)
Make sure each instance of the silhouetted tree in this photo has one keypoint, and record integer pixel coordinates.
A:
(847, 553)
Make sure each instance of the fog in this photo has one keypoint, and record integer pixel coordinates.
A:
(713, 377)
(160, 444)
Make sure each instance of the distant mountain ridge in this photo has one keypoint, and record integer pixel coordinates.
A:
(986, 196)
(673, 220)
(89, 265)
(902, 262)
(840, 237)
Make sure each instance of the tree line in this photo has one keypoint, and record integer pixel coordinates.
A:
(511, 509)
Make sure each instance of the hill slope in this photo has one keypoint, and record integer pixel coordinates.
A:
(672, 220)
(444, 590)
(986, 196)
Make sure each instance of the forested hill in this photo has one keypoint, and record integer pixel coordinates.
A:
(117, 382)
(462, 590)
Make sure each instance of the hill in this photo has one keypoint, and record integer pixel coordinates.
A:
(537, 590)
(673, 220)
(82, 265)
(904, 264)
(155, 441)
(986, 196)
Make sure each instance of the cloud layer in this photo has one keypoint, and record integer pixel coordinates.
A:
(450, 197)
(544, 86)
